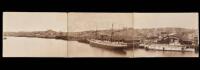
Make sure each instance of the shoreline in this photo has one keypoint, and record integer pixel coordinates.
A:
(82, 41)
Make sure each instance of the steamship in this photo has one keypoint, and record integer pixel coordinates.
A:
(109, 44)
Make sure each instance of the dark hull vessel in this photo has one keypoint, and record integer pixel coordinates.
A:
(107, 44)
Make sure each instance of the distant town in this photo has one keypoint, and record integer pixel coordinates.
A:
(187, 36)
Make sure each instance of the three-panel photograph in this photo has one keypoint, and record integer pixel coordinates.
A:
(100, 34)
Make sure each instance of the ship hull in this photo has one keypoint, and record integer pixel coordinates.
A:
(168, 48)
(107, 46)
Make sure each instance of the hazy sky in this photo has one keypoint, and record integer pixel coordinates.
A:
(34, 21)
(99, 21)
(155, 20)
(41, 21)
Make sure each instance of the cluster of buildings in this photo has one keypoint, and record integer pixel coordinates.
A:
(172, 39)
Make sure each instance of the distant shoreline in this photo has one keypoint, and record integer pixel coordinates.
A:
(126, 34)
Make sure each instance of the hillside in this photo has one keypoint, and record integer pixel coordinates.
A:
(120, 34)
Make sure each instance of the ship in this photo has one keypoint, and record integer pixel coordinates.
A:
(109, 44)
(167, 47)
(168, 43)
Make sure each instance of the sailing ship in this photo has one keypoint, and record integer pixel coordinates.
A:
(109, 44)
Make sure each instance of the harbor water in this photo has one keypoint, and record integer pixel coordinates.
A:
(41, 47)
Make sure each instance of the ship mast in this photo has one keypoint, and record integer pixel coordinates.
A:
(96, 33)
(112, 34)
(133, 31)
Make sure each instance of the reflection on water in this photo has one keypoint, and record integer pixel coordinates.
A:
(33, 47)
(76, 49)
(39, 47)
(117, 51)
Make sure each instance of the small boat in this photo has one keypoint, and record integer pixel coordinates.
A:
(4, 38)
(84, 41)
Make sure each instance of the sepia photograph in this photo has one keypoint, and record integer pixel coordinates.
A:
(166, 34)
(33, 34)
(100, 34)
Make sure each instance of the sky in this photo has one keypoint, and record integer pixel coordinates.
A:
(34, 21)
(79, 21)
(156, 20)
(100, 21)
